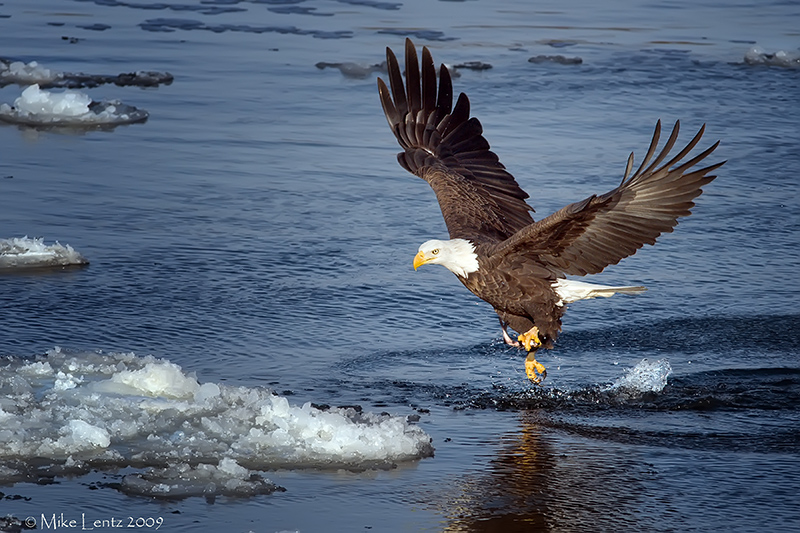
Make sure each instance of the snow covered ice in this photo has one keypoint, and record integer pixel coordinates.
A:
(21, 73)
(25, 73)
(23, 252)
(78, 411)
(36, 107)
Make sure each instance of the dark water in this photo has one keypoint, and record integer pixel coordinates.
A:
(258, 231)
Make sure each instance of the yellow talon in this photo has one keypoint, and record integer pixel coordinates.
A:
(534, 369)
(530, 339)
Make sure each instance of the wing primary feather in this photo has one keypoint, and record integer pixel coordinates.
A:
(628, 168)
(650, 150)
(428, 82)
(460, 112)
(690, 163)
(410, 130)
(689, 147)
(667, 148)
(412, 78)
(444, 101)
(396, 83)
(712, 168)
(388, 104)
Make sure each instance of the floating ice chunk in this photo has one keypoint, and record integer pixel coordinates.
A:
(65, 381)
(36, 107)
(758, 56)
(183, 480)
(21, 73)
(556, 59)
(82, 435)
(646, 376)
(32, 253)
(207, 391)
(354, 70)
(38, 368)
(38, 102)
(25, 73)
(155, 379)
(123, 410)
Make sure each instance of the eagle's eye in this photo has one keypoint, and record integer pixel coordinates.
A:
(435, 251)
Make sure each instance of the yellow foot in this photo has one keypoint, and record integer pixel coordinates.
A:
(530, 339)
(534, 369)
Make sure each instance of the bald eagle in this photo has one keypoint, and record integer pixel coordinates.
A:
(496, 249)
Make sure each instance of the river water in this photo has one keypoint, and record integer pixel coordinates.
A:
(257, 232)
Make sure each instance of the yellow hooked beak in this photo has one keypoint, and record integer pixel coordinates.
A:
(420, 259)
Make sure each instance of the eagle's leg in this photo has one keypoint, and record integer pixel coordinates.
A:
(530, 339)
(508, 340)
(533, 368)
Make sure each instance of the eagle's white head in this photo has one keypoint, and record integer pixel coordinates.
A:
(457, 255)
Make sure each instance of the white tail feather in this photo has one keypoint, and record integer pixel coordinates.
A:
(570, 290)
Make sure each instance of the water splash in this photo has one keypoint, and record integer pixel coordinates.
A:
(646, 376)
(24, 252)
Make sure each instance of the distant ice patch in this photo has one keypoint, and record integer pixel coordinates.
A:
(646, 376)
(25, 73)
(36, 107)
(758, 56)
(556, 59)
(21, 73)
(32, 253)
(354, 70)
(68, 413)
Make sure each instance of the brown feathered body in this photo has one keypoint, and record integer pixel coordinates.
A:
(519, 259)
(520, 291)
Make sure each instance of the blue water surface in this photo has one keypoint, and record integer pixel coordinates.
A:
(258, 231)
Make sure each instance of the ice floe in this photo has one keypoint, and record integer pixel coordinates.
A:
(422, 35)
(171, 24)
(36, 107)
(353, 70)
(23, 252)
(71, 412)
(758, 56)
(562, 60)
(25, 73)
(473, 65)
(227, 478)
(21, 73)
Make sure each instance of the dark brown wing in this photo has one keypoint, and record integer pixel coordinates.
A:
(479, 199)
(587, 236)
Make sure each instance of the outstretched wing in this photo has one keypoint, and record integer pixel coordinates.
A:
(587, 236)
(479, 199)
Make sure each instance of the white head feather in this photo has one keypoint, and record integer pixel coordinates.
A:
(456, 255)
